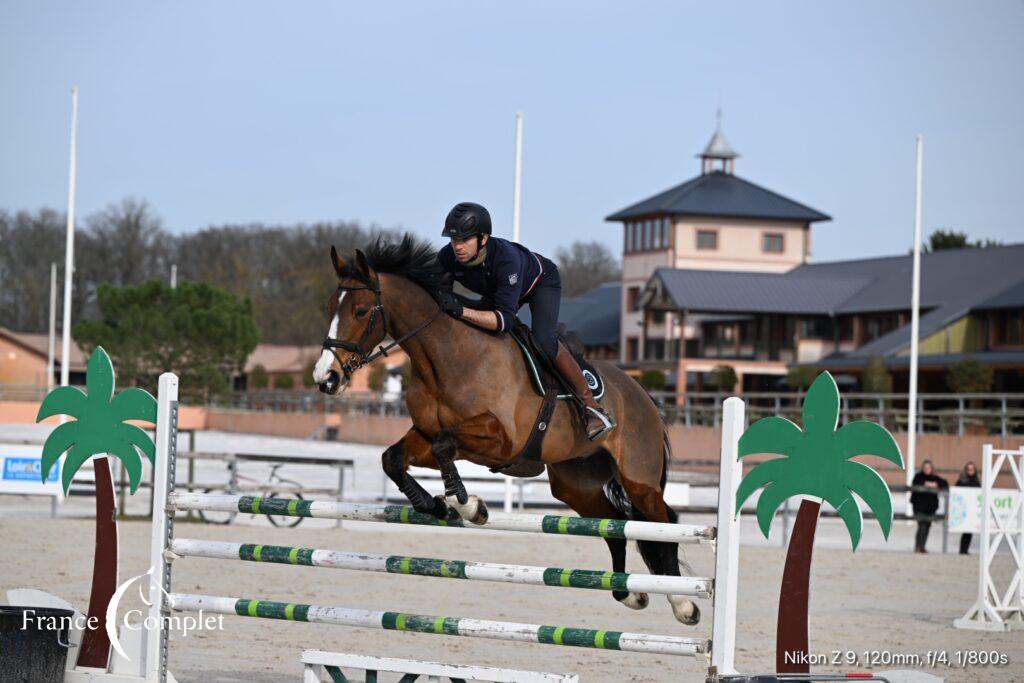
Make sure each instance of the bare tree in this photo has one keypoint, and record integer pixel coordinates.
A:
(585, 265)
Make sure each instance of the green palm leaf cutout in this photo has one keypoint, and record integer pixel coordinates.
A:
(99, 427)
(816, 462)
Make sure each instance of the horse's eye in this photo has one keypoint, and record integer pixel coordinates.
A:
(360, 312)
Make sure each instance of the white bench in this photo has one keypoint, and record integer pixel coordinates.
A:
(317, 663)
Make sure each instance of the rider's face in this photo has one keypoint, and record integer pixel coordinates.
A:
(467, 249)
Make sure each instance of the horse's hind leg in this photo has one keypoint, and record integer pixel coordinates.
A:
(470, 508)
(413, 448)
(578, 484)
(660, 557)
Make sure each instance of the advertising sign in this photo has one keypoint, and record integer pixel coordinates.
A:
(20, 469)
(965, 508)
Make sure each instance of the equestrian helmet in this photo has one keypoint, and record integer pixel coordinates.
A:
(465, 220)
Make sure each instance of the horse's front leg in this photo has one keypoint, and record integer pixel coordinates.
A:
(413, 448)
(445, 451)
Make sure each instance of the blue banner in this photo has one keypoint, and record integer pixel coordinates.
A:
(27, 469)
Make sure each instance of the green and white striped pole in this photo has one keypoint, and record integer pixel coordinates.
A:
(452, 626)
(402, 514)
(452, 569)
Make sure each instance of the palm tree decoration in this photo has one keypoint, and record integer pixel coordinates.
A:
(817, 463)
(99, 428)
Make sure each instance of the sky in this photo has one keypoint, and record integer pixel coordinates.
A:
(390, 113)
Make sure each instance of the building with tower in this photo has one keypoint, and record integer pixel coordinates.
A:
(714, 221)
(717, 271)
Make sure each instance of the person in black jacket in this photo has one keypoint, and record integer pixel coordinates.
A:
(925, 502)
(507, 275)
(968, 477)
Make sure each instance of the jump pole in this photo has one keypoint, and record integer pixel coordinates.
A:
(153, 653)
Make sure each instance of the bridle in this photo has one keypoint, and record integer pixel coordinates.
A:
(367, 356)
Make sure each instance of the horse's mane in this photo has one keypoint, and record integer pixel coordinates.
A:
(413, 258)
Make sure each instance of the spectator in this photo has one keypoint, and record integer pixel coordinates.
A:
(968, 477)
(925, 502)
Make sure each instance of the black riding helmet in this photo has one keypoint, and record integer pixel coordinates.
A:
(465, 220)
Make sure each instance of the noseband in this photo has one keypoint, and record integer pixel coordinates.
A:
(367, 356)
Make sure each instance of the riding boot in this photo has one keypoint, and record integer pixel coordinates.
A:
(597, 421)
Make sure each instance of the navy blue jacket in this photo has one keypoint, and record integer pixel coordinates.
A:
(508, 274)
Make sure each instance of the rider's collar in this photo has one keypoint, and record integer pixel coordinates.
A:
(480, 256)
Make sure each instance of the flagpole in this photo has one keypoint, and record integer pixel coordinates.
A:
(51, 345)
(915, 301)
(69, 249)
(517, 188)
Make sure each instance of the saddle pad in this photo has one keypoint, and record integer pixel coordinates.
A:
(590, 373)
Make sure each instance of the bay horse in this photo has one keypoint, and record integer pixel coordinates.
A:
(470, 398)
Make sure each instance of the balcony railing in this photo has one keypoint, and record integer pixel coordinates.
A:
(959, 414)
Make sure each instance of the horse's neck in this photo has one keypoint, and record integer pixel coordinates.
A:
(433, 351)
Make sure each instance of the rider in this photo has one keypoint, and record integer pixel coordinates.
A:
(508, 275)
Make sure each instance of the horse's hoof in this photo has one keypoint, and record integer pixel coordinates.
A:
(473, 510)
(635, 600)
(685, 611)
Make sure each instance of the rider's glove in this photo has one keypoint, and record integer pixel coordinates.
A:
(449, 303)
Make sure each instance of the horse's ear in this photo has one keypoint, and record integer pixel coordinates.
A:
(339, 263)
(361, 261)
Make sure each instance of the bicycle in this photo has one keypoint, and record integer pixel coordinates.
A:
(268, 490)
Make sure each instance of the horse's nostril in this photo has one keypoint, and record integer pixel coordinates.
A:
(331, 384)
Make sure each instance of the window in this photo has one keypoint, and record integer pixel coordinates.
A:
(771, 243)
(846, 328)
(1009, 328)
(654, 349)
(707, 239)
(664, 233)
(648, 230)
(748, 331)
(657, 317)
(626, 234)
(632, 347)
(815, 328)
(878, 326)
(632, 298)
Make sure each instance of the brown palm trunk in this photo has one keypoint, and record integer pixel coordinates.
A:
(791, 641)
(95, 645)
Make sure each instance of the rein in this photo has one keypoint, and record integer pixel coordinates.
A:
(364, 356)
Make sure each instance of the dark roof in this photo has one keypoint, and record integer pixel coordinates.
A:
(721, 194)
(953, 283)
(1012, 297)
(723, 291)
(594, 316)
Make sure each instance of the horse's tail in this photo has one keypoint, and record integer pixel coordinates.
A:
(618, 497)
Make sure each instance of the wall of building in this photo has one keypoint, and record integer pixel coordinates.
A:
(964, 335)
(19, 366)
(740, 244)
(637, 268)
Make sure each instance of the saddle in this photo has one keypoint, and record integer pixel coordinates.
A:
(551, 387)
(541, 369)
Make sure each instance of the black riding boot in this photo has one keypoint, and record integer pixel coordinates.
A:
(598, 422)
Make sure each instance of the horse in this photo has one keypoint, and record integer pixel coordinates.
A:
(470, 398)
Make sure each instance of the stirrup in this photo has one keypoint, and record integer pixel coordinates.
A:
(607, 421)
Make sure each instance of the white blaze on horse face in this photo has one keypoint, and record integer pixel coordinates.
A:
(323, 366)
